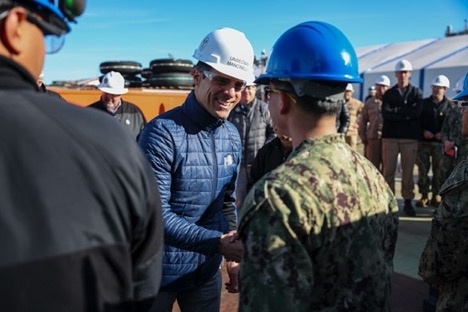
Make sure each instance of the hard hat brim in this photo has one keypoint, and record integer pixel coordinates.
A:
(233, 72)
(461, 95)
(114, 91)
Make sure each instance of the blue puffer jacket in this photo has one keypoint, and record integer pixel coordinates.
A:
(195, 158)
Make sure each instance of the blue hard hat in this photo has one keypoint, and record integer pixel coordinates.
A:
(57, 13)
(464, 92)
(312, 51)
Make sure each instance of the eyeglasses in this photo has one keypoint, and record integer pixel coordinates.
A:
(239, 85)
(268, 91)
(54, 36)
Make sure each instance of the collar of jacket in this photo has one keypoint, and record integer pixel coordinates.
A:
(14, 76)
(240, 108)
(199, 115)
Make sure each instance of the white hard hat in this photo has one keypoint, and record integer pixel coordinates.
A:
(403, 65)
(441, 81)
(383, 80)
(228, 51)
(349, 87)
(113, 83)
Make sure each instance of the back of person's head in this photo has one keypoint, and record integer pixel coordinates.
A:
(315, 62)
(228, 51)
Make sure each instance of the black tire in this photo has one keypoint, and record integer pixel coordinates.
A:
(146, 73)
(171, 80)
(160, 66)
(123, 67)
(132, 81)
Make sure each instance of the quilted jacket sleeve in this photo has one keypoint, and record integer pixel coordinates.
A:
(158, 144)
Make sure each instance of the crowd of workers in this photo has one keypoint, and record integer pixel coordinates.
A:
(104, 211)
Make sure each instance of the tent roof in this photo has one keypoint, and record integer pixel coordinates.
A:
(444, 52)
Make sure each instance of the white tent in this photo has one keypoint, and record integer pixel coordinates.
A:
(444, 56)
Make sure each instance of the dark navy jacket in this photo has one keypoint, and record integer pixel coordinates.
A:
(195, 158)
(401, 113)
(80, 222)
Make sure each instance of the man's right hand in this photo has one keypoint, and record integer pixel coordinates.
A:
(231, 247)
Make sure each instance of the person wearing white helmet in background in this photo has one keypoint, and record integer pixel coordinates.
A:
(129, 115)
(195, 154)
(354, 110)
(371, 93)
(430, 148)
(370, 124)
(252, 119)
(444, 258)
(401, 131)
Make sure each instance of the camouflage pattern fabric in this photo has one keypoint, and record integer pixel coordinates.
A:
(319, 233)
(451, 131)
(451, 128)
(429, 152)
(444, 260)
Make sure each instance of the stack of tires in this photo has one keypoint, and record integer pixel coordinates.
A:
(130, 70)
(169, 73)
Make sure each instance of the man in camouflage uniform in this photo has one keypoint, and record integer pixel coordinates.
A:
(454, 144)
(370, 123)
(430, 151)
(354, 107)
(319, 231)
(444, 259)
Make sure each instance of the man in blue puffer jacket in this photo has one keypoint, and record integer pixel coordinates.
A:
(195, 155)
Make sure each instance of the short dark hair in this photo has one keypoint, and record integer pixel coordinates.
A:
(309, 104)
(201, 66)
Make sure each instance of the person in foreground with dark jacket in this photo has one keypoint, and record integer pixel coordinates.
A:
(80, 217)
(252, 120)
(401, 131)
(270, 156)
(195, 154)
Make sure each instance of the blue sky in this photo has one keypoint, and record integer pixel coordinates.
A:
(141, 31)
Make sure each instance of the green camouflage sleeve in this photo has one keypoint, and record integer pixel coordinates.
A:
(272, 240)
(312, 228)
(445, 256)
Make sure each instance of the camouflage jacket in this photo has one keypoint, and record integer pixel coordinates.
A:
(451, 127)
(319, 233)
(444, 260)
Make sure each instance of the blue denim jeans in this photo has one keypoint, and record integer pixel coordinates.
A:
(206, 298)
